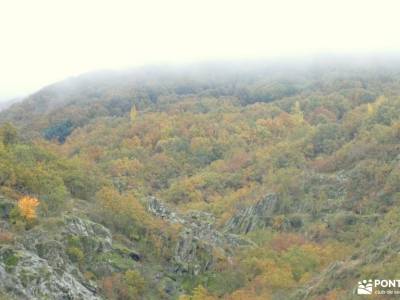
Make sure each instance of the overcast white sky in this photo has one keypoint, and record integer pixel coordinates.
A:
(43, 41)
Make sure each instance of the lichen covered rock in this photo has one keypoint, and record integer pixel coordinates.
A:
(25, 275)
(257, 216)
(40, 263)
(199, 243)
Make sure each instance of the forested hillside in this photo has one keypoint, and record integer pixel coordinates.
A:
(227, 181)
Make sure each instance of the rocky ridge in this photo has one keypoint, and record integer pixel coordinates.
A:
(199, 244)
(257, 216)
(37, 266)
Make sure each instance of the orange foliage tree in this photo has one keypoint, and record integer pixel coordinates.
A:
(27, 207)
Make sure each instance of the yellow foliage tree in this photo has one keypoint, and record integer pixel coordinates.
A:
(298, 112)
(27, 207)
(199, 293)
(370, 109)
(133, 114)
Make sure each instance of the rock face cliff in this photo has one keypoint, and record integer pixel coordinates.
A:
(257, 216)
(25, 275)
(52, 259)
(37, 266)
(200, 244)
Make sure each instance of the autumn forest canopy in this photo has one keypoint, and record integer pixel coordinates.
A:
(213, 181)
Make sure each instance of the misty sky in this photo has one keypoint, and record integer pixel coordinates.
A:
(43, 41)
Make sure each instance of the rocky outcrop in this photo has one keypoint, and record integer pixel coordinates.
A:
(257, 216)
(199, 244)
(160, 210)
(95, 237)
(25, 275)
(37, 265)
